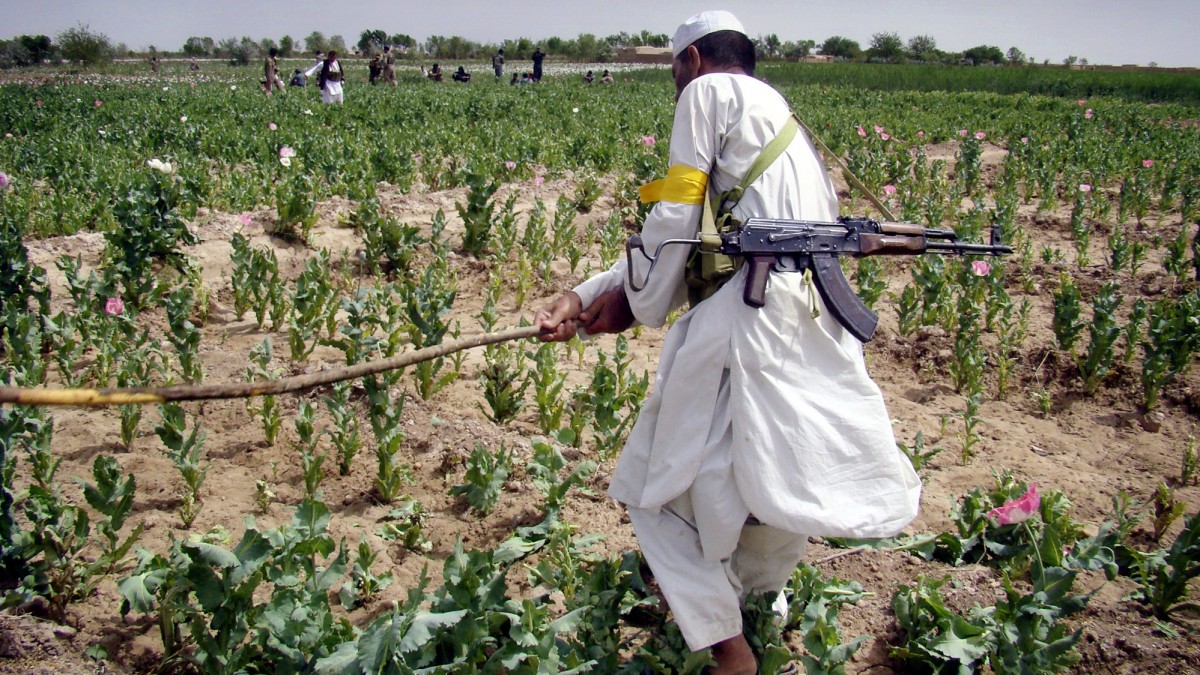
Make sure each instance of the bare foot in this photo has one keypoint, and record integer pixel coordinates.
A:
(733, 657)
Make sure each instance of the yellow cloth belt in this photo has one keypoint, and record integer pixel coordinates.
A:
(683, 185)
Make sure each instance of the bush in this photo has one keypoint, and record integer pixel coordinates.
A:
(82, 45)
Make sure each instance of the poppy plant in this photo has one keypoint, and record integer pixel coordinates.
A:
(1017, 510)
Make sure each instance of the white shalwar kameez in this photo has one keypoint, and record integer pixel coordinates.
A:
(763, 427)
(332, 91)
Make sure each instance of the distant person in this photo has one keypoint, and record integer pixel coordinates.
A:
(298, 79)
(527, 78)
(389, 66)
(193, 66)
(435, 73)
(330, 79)
(461, 75)
(154, 64)
(271, 71)
(538, 56)
(606, 78)
(515, 78)
(498, 63)
(374, 69)
(589, 77)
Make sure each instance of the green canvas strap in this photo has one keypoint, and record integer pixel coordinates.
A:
(707, 270)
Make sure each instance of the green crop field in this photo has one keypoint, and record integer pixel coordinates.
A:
(184, 228)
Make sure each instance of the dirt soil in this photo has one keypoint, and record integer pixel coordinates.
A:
(1088, 447)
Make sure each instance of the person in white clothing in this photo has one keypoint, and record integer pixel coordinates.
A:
(330, 79)
(763, 427)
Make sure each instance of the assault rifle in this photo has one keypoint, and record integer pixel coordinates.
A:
(816, 246)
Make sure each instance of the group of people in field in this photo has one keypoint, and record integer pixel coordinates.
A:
(382, 69)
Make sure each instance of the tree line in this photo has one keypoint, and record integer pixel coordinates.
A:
(83, 45)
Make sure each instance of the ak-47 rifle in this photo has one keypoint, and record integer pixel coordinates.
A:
(816, 246)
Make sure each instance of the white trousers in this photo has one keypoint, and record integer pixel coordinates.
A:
(705, 595)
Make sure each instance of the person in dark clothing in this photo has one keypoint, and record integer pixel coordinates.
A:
(461, 75)
(538, 55)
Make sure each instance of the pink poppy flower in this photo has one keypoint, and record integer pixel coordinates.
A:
(39, 103)
(1147, 163)
(272, 126)
(648, 141)
(3, 180)
(979, 135)
(861, 131)
(878, 129)
(1089, 114)
(1082, 102)
(510, 165)
(1017, 510)
(885, 137)
(114, 306)
(980, 268)
(538, 180)
(286, 151)
(963, 132)
(99, 102)
(1085, 187)
(889, 189)
(920, 134)
(244, 217)
(1024, 139)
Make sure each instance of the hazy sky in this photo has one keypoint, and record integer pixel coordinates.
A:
(1102, 31)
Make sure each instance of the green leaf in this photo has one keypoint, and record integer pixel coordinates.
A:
(962, 641)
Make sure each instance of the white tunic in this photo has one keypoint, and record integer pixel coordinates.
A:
(811, 443)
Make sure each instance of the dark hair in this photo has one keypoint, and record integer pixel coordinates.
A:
(726, 48)
(274, 52)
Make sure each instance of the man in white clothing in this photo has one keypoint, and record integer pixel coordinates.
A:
(330, 78)
(763, 427)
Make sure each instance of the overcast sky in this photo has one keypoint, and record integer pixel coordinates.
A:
(1102, 31)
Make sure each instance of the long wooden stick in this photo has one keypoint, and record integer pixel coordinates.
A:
(142, 395)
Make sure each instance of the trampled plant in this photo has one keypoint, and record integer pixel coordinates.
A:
(486, 473)
(197, 582)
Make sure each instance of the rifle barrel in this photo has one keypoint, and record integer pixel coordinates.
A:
(961, 247)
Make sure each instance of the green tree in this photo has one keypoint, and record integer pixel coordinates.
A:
(588, 47)
(798, 50)
(316, 42)
(1016, 57)
(287, 45)
(984, 54)
(338, 44)
(40, 48)
(85, 46)
(198, 46)
(887, 47)
(768, 47)
(841, 47)
(402, 40)
(923, 48)
(372, 41)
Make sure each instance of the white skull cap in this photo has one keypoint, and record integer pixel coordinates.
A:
(702, 24)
